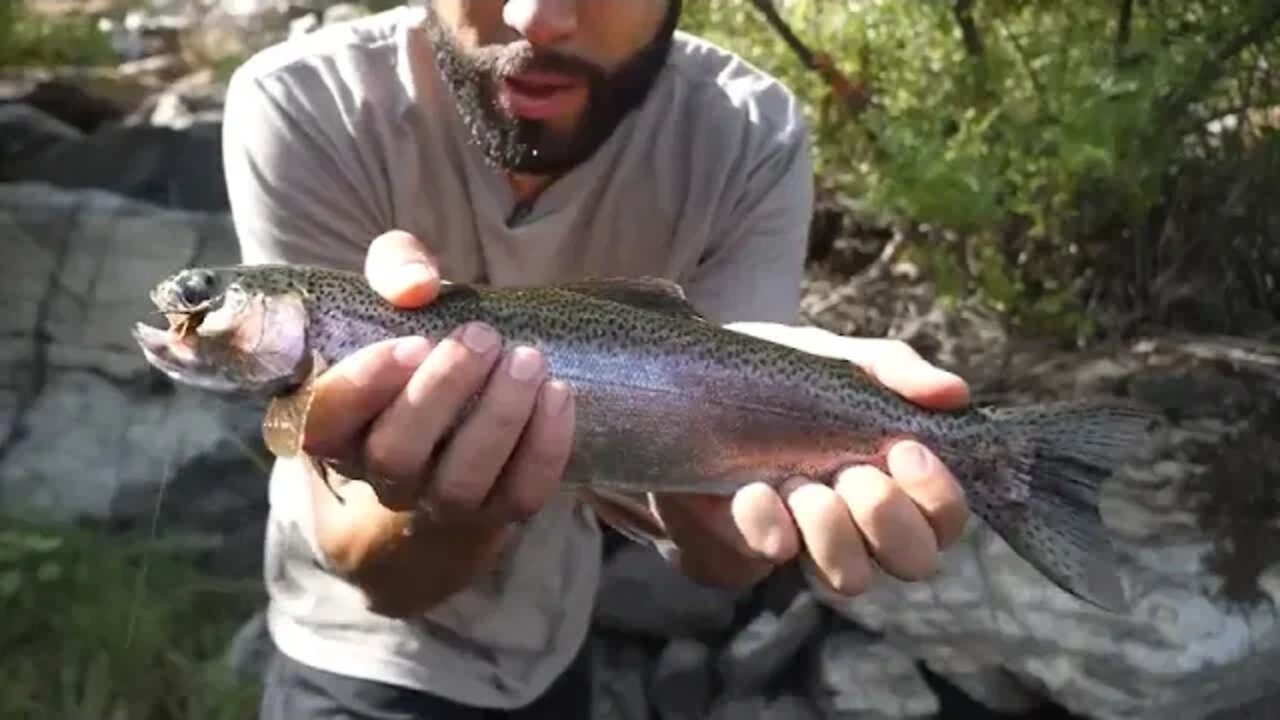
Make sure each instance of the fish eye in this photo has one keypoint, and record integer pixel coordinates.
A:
(196, 287)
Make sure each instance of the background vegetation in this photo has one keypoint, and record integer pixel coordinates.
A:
(125, 630)
(1079, 167)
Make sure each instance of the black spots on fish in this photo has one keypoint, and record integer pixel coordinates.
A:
(1059, 455)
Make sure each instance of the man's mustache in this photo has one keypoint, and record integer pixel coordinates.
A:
(521, 57)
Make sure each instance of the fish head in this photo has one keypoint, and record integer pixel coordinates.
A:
(231, 330)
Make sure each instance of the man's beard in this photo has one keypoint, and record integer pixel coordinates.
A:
(530, 146)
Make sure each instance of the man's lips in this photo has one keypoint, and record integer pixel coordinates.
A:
(540, 95)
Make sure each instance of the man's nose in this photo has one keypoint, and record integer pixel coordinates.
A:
(542, 22)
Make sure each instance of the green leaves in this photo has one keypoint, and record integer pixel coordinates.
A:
(31, 40)
(1033, 131)
(111, 629)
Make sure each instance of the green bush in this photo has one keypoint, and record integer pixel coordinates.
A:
(1020, 141)
(108, 628)
(30, 40)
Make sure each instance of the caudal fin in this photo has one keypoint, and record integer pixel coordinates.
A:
(1060, 455)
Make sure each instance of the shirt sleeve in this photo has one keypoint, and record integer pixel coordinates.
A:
(754, 264)
(297, 187)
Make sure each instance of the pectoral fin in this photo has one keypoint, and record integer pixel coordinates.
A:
(627, 514)
(285, 423)
(286, 416)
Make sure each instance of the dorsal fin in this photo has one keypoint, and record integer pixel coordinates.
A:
(648, 293)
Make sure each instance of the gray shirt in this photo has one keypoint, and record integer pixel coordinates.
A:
(335, 137)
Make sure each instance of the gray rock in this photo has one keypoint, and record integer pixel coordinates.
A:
(620, 672)
(179, 169)
(760, 707)
(87, 429)
(641, 593)
(682, 680)
(993, 688)
(740, 707)
(1195, 520)
(862, 677)
(764, 647)
(792, 707)
(26, 131)
(65, 98)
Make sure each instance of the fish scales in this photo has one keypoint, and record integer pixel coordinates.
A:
(668, 402)
(703, 409)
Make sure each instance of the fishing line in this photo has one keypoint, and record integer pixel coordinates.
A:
(139, 585)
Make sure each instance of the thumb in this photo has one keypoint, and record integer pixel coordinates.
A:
(893, 363)
(400, 268)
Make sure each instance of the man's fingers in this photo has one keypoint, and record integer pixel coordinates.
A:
(761, 519)
(895, 531)
(483, 442)
(403, 438)
(349, 395)
(401, 270)
(900, 368)
(831, 539)
(933, 489)
(535, 468)
(729, 541)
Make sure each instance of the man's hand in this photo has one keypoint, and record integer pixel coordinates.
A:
(386, 410)
(900, 521)
(387, 413)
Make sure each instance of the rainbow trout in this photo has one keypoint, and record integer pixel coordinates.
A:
(667, 402)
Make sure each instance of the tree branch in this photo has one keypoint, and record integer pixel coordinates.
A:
(1124, 29)
(1261, 30)
(854, 95)
(962, 11)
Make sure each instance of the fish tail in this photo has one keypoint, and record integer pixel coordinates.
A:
(1047, 510)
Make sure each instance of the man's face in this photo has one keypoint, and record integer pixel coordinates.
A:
(541, 84)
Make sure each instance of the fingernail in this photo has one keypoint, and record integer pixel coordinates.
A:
(411, 351)
(525, 364)
(909, 460)
(771, 544)
(555, 396)
(412, 276)
(765, 523)
(479, 338)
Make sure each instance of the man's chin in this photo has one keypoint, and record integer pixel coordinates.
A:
(529, 148)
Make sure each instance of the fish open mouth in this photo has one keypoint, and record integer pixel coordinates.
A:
(237, 344)
(175, 352)
(170, 350)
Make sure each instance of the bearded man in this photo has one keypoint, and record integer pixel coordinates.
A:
(520, 142)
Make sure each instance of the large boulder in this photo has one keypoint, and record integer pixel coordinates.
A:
(1195, 516)
(88, 431)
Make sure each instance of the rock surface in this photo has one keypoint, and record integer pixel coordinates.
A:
(1189, 514)
(87, 429)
